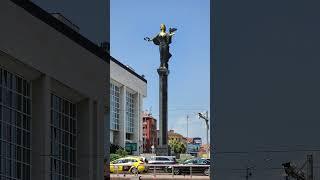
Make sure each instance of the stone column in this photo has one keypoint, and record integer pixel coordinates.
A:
(41, 110)
(122, 117)
(163, 111)
(140, 123)
(85, 144)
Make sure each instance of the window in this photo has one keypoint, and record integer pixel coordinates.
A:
(162, 159)
(130, 112)
(15, 127)
(191, 161)
(63, 139)
(132, 160)
(114, 106)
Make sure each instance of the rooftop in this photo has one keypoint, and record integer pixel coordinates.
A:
(71, 33)
(172, 133)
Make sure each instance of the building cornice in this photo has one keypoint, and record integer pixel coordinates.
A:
(64, 29)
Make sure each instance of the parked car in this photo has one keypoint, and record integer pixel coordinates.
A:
(157, 160)
(128, 164)
(185, 169)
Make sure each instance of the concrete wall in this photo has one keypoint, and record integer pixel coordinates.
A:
(40, 46)
(57, 64)
(266, 87)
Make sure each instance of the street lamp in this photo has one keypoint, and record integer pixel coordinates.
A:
(205, 117)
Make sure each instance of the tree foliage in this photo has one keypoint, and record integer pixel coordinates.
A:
(177, 147)
(122, 152)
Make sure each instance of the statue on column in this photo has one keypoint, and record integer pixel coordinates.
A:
(163, 39)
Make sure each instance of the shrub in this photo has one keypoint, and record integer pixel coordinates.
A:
(122, 152)
(114, 157)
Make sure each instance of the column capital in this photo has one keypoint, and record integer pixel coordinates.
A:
(163, 71)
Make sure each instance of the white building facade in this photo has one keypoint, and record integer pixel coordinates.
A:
(127, 90)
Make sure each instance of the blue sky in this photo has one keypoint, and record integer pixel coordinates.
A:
(189, 78)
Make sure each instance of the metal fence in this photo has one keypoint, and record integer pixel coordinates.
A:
(154, 168)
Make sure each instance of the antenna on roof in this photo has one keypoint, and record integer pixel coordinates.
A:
(150, 110)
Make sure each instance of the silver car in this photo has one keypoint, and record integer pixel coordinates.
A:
(158, 160)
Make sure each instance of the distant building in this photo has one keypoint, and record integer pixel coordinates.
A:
(197, 140)
(127, 90)
(203, 151)
(173, 136)
(194, 145)
(149, 133)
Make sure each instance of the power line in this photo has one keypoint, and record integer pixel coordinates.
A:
(267, 151)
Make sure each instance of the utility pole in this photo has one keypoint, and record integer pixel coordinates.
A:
(187, 126)
(309, 167)
(205, 117)
(187, 133)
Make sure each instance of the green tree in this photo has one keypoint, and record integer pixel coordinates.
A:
(122, 152)
(177, 147)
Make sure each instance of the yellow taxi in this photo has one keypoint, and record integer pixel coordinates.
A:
(128, 164)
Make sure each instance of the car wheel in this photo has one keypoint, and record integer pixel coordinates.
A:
(134, 170)
(169, 170)
(206, 172)
(176, 171)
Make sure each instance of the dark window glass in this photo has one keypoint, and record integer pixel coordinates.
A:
(19, 135)
(8, 150)
(28, 106)
(1, 92)
(28, 89)
(19, 102)
(19, 85)
(9, 138)
(66, 123)
(24, 105)
(18, 120)
(5, 78)
(7, 97)
(0, 76)
(24, 88)
(74, 127)
(6, 115)
(13, 126)
(14, 84)
(18, 170)
(9, 80)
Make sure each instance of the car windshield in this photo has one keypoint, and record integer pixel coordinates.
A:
(190, 161)
(118, 161)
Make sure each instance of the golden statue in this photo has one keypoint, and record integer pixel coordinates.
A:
(163, 39)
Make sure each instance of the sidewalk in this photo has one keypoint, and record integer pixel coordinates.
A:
(151, 177)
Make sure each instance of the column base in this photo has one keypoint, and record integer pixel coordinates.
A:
(162, 150)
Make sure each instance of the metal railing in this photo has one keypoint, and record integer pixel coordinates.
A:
(172, 166)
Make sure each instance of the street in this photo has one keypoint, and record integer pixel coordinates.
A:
(158, 176)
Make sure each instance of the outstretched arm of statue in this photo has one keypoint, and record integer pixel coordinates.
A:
(147, 39)
(154, 40)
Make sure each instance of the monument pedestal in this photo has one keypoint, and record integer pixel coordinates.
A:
(162, 150)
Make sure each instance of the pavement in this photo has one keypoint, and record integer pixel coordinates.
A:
(160, 176)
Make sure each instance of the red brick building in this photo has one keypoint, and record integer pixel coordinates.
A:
(149, 133)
